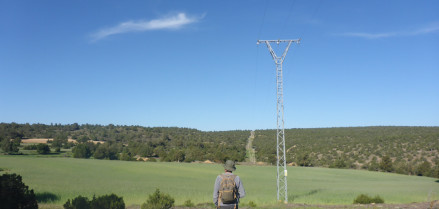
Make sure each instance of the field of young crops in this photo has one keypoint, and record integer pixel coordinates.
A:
(134, 181)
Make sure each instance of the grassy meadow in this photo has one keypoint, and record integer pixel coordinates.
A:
(134, 181)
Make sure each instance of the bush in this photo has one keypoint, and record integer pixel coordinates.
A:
(188, 203)
(423, 169)
(103, 202)
(386, 164)
(126, 156)
(158, 200)
(43, 149)
(252, 204)
(111, 201)
(365, 199)
(30, 147)
(79, 202)
(81, 151)
(9, 147)
(15, 194)
(377, 199)
(339, 163)
(106, 151)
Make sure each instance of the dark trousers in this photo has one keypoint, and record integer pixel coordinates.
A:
(229, 207)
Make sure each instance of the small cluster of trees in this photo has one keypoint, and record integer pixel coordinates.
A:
(163, 149)
(108, 151)
(111, 201)
(15, 194)
(10, 146)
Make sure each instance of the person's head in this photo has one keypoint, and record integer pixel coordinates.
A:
(229, 166)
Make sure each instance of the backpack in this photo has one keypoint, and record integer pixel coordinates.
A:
(227, 190)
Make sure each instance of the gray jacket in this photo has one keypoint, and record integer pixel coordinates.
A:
(239, 186)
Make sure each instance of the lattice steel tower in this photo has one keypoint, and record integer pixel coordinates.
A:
(280, 133)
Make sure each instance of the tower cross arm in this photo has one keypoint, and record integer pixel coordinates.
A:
(278, 41)
(278, 60)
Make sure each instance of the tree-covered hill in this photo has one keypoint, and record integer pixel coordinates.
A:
(406, 150)
(125, 142)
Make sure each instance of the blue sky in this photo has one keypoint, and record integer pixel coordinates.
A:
(196, 63)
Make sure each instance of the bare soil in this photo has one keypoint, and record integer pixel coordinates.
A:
(44, 141)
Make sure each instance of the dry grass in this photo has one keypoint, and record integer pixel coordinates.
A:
(44, 141)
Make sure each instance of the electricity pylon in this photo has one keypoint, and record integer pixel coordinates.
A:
(280, 133)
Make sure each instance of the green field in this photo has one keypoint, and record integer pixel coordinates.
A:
(134, 181)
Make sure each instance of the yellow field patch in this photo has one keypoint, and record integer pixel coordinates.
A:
(44, 141)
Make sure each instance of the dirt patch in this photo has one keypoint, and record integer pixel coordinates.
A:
(35, 141)
(44, 141)
(138, 158)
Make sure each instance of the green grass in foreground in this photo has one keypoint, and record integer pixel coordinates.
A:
(134, 181)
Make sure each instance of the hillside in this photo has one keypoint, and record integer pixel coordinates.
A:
(126, 142)
(405, 150)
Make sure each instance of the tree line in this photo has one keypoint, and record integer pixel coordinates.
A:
(128, 142)
(405, 150)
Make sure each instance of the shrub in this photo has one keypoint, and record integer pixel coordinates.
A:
(252, 204)
(126, 156)
(365, 199)
(79, 202)
(188, 203)
(111, 201)
(9, 147)
(423, 169)
(81, 151)
(158, 200)
(386, 164)
(377, 199)
(43, 149)
(15, 194)
(103, 202)
(30, 147)
(339, 163)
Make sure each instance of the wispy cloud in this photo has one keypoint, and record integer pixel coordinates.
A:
(420, 31)
(171, 22)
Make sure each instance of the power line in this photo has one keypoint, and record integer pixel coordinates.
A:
(288, 18)
(263, 19)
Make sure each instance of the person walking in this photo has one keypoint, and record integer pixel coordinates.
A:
(228, 188)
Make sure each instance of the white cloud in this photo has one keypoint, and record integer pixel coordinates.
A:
(172, 22)
(430, 29)
(369, 35)
(420, 31)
